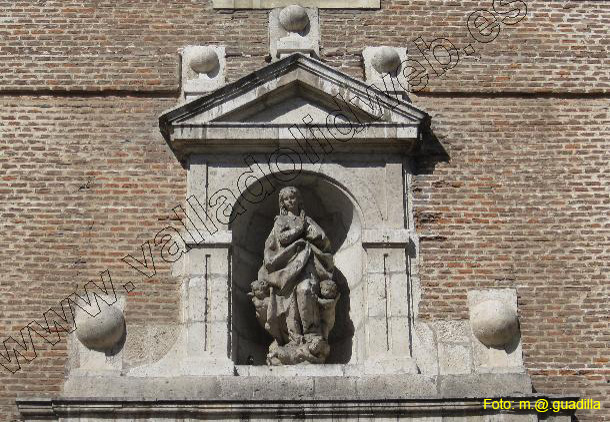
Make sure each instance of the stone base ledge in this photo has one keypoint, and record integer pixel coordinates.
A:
(397, 366)
(271, 387)
(463, 409)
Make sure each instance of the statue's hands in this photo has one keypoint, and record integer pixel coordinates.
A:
(301, 222)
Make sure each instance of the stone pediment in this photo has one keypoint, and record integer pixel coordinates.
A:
(286, 100)
(295, 103)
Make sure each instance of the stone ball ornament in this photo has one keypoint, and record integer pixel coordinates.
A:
(386, 60)
(294, 18)
(494, 323)
(100, 332)
(204, 61)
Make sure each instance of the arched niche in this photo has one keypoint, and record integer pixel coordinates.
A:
(337, 213)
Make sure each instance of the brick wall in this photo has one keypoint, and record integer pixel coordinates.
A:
(84, 182)
(521, 202)
(560, 45)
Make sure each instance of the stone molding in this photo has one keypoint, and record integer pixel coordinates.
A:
(392, 238)
(322, 4)
(69, 409)
(349, 386)
(220, 239)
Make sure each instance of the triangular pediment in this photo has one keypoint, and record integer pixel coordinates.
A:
(294, 103)
(295, 91)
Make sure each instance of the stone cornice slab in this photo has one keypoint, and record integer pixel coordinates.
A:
(261, 137)
(74, 408)
(393, 238)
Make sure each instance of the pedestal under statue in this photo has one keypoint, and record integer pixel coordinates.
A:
(295, 295)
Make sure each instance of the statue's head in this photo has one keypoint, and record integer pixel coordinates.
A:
(290, 200)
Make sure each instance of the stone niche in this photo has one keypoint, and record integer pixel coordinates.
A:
(242, 144)
(331, 207)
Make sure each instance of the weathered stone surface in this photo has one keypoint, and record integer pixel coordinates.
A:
(484, 385)
(425, 348)
(294, 18)
(454, 358)
(386, 60)
(295, 384)
(294, 29)
(103, 331)
(384, 67)
(148, 343)
(452, 331)
(494, 323)
(203, 70)
(204, 60)
(499, 347)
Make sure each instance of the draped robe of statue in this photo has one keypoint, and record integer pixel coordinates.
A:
(294, 295)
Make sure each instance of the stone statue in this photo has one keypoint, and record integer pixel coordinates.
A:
(295, 296)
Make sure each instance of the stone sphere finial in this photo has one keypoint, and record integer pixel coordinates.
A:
(386, 60)
(294, 18)
(204, 61)
(100, 332)
(494, 323)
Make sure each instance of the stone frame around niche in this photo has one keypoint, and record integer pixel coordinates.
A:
(380, 241)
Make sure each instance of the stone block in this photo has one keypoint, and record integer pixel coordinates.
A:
(454, 358)
(493, 320)
(203, 70)
(335, 387)
(425, 349)
(390, 365)
(327, 370)
(96, 346)
(399, 330)
(396, 387)
(377, 337)
(196, 299)
(455, 331)
(148, 343)
(384, 66)
(484, 385)
(294, 29)
(267, 388)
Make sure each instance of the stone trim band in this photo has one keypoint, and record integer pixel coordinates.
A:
(74, 408)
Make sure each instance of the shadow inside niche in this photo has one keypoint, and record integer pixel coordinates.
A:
(341, 336)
